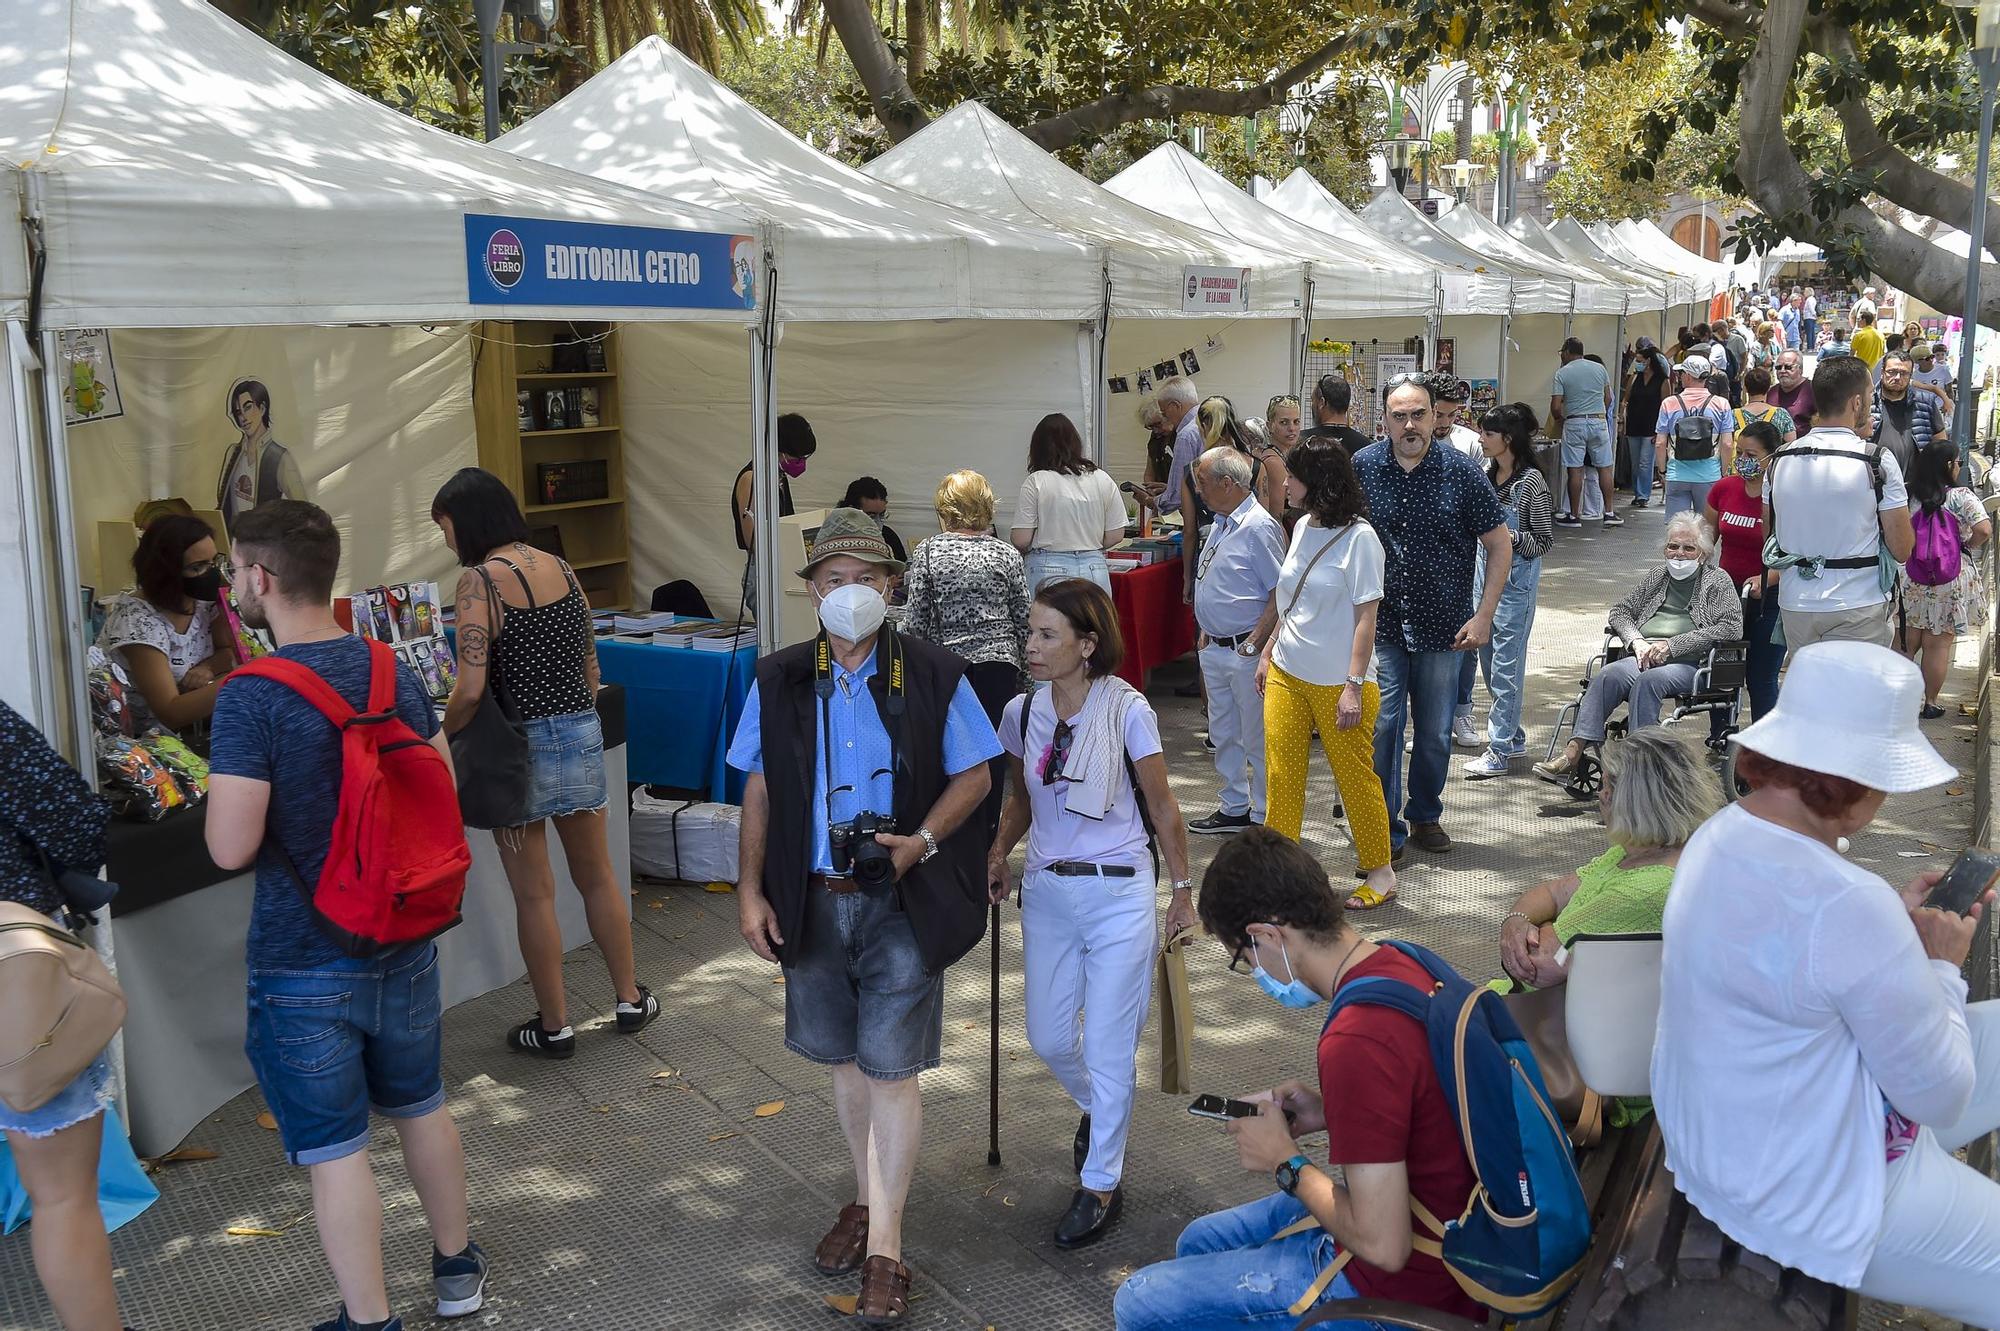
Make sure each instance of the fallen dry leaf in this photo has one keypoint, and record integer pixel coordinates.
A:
(246, 1232)
(1953, 790)
(718, 887)
(1006, 1201)
(721, 1137)
(777, 979)
(184, 1155)
(266, 1120)
(601, 1109)
(844, 1304)
(666, 1072)
(767, 1110)
(655, 905)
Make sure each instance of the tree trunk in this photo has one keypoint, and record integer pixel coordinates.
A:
(888, 88)
(919, 38)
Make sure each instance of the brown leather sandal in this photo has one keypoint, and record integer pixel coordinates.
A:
(885, 1291)
(841, 1250)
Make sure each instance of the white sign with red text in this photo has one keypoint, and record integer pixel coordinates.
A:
(1215, 290)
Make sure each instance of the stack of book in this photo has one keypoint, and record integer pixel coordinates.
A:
(641, 624)
(706, 635)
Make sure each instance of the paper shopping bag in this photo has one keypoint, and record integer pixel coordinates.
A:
(1170, 984)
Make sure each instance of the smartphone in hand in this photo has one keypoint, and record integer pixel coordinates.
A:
(1971, 874)
(1221, 1110)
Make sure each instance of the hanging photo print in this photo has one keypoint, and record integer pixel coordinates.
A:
(1189, 365)
(1165, 370)
(1145, 382)
(1120, 384)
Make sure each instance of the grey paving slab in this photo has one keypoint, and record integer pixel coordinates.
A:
(610, 1196)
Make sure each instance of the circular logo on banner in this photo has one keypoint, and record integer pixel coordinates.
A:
(506, 259)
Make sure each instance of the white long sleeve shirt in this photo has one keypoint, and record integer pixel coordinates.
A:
(1797, 999)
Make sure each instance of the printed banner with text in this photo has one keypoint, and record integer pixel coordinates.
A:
(1215, 290)
(536, 261)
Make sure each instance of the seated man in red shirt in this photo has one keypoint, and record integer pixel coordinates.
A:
(1384, 1115)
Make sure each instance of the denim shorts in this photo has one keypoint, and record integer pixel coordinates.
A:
(88, 1094)
(565, 765)
(1586, 441)
(855, 988)
(328, 1043)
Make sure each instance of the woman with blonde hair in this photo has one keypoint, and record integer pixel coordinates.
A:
(967, 591)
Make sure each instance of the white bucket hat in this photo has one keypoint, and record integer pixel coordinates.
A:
(1850, 709)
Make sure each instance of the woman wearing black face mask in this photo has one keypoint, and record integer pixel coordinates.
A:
(170, 633)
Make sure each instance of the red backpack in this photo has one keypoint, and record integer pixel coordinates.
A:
(395, 870)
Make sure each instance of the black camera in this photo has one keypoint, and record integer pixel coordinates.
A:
(856, 852)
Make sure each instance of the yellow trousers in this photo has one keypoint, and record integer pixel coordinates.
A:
(1292, 708)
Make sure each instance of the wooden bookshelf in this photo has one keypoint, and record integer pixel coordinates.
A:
(514, 357)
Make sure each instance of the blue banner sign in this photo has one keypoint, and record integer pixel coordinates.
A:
(536, 261)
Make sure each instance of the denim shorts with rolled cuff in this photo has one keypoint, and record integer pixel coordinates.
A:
(565, 765)
(329, 1043)
(856, 991)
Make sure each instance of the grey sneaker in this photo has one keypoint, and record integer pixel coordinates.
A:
(1465, 734)
(459, 1282)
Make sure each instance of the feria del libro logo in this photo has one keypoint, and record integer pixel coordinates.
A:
(506, 259)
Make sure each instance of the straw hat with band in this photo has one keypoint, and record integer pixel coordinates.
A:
(849, 531)
(1850, 709)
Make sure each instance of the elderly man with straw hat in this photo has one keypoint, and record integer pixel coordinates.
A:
(1817, 1064)
(862, 871)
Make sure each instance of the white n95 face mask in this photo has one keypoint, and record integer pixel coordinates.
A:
(853, 611)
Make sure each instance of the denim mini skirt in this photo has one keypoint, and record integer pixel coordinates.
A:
(565, 765)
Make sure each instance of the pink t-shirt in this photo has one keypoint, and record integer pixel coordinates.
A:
(1054, 832)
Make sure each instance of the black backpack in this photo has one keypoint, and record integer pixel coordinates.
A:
(1694, 433)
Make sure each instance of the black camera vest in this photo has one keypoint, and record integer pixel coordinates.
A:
(946, 897)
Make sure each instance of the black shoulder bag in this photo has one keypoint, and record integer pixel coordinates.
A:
(490, 756)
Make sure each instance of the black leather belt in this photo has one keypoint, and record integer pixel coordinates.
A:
(1234, 642)
(1084, 869)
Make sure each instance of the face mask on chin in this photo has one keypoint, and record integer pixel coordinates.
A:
(1294, 993)
(852, 612)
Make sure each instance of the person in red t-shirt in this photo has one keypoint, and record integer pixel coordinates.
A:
(1383, 1111)
(1793, 391)
(1736, 511)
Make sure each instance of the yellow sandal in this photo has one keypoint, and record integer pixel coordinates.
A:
(1367, 898)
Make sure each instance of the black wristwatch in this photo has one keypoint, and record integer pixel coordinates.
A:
(1288, 1174)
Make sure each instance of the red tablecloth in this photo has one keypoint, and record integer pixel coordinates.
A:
(1158, 627)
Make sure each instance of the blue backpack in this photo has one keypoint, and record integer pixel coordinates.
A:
(1519, 1245)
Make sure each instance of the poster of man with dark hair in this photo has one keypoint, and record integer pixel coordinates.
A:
(257, 468)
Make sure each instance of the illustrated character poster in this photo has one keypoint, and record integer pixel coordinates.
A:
(256, 468)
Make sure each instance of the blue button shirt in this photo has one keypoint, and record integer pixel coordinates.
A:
(1238, 570)
(854, 747)
(1430, 519)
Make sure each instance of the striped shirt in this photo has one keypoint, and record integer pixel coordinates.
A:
(1527, 494)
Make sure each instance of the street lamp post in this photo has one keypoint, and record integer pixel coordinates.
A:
(541, 13)
(1986, 60)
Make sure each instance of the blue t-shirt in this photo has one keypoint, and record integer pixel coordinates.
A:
(1582, 384)
(264, 731)
(1430, 519)
(1718, 411)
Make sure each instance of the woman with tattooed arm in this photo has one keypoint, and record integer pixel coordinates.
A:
(522, 618)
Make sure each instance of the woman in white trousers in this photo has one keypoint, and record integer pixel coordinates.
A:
(1084, 754)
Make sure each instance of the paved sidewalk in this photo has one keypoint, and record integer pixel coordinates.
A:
(635, 1187)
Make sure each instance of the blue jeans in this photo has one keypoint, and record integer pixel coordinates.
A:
(1420, 687)
(1642, 465)
(1766, 657)
(327, 1043)
(1046, 564)
(1505, 659)
(1226, 1276)
(1687, 496)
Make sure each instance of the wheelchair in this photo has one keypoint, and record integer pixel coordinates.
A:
(1717, 689)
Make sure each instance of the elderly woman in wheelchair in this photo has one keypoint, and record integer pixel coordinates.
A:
(1676, 635)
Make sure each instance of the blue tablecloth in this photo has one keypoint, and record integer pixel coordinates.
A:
(681, 711)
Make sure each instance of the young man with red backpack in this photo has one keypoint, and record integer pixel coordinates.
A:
(328, 772)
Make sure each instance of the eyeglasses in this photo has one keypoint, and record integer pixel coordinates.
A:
(200, 567)
(1240, 962)
(1057, 754)
(230, 570)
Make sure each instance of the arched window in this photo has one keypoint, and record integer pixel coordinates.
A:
(1700, 234)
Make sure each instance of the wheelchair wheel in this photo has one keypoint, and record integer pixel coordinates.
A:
(1586, 780)
(1733, 787)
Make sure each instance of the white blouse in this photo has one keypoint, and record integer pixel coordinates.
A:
(136, 622)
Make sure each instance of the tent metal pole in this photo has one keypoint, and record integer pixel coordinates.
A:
(71, 688)
(1303, 330)
(764, 462)
(29, 677)
(1569, 315)
(1434, 321)
(1506, 330)
(1095, 368)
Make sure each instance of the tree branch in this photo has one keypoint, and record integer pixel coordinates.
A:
(896, 106)
(1726, 17)
(1165, 100)
(1901, 179)
(1780, 187)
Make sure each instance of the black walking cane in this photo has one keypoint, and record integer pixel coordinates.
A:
(993, 1066)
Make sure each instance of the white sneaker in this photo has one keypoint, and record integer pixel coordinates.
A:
(1486, 766)
(1465, 735)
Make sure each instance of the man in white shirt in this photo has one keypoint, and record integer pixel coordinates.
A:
(1866, 305)
(1453, 396)
(1233, 603)
(1829, 516)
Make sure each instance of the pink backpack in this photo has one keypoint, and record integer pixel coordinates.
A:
(1935, 560)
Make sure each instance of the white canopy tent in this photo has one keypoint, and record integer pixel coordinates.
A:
(1578, 243)
(846, 248)
(1720, 275)
(974, 159)
(176, 171)
(1685, 304)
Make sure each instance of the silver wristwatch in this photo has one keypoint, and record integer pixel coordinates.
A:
(930, 844)
(1358, 681)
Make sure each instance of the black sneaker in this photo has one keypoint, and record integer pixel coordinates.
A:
(531, 1038)
(1565, 520)
(635, 1017)
(459, 1282)
(1220, 824)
